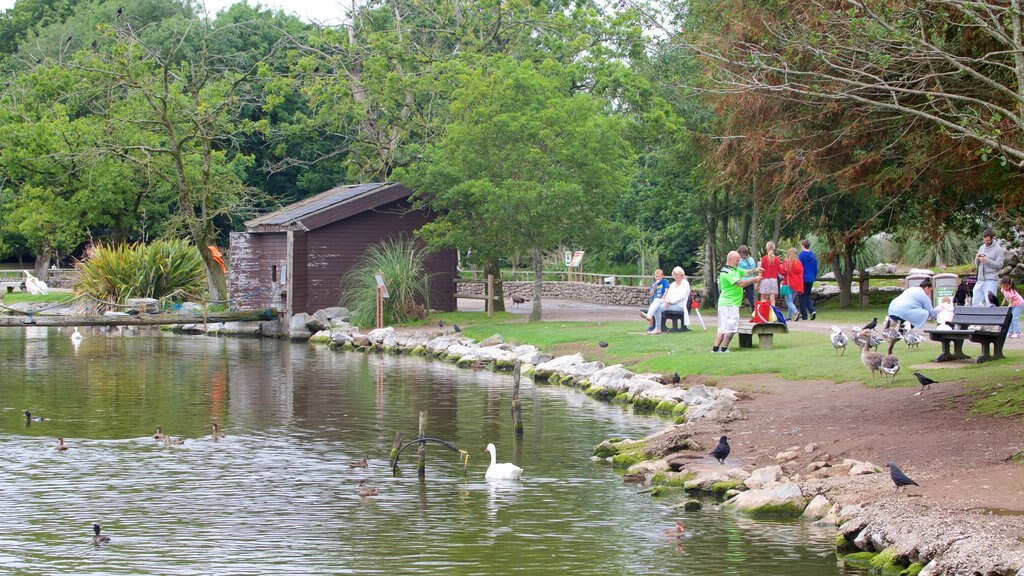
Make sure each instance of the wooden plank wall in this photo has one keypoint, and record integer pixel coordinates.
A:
(250, 282)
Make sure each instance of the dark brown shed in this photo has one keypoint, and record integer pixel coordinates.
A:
(293, 259)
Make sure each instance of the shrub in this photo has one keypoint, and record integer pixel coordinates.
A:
(403, 266)
(112, 274)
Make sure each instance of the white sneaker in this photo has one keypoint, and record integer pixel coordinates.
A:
(655, 332)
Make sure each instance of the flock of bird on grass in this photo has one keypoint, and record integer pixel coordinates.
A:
(887, 364)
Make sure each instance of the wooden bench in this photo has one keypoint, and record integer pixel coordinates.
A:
(765, 332)
(997, 317)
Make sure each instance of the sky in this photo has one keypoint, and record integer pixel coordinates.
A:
(328, 12)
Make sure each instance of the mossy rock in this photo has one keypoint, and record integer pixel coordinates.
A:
(464, 362)
(627, 459)
(912, 570)
(790, 509)
(679, 410)
(529, 372)
(504, 365)
(393, 349)
(419, 351)
(319, 339)
(605, 450)
(658, 491)
(844, 545)
(859, 559)
(886, 563)
(720, 488)
(348, 346)
(665, 407)
(542, 375)
(364, 349)
(641, 404)
(692, 505)
(673, 479)
(622, 398)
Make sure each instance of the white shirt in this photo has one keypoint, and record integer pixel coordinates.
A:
(678, 292)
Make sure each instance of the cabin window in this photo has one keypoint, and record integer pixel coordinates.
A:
(273, 273)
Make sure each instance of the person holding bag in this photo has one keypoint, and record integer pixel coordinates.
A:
(792, 283)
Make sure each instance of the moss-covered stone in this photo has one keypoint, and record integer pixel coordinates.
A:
(658, 491)
(886, 563)
(529, 372)
(641, 404)
(504, 365)
(665, 407)
(622, 398)
(692, 505)
(419, 351)
(912, 570)
(789, 509)
(627, 459)
(844, 545)
(721, 488)
(464, 362)
(859, 559)
(672, 479)
(319, 339)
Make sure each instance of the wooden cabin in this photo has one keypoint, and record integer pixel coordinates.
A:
(293, 259)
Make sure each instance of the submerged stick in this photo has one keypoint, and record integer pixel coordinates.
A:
(395, 446)
(421, 452)
(517, 408)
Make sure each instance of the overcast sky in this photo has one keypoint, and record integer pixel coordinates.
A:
(322, 11)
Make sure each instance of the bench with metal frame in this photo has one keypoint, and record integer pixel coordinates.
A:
(964, 317)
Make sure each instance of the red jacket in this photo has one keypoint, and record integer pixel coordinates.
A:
(793, 275)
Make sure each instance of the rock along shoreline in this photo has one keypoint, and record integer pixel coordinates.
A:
(885, 535)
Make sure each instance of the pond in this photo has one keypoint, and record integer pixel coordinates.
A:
(277, 494)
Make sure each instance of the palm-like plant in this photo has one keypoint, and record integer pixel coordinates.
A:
(112, 274)
(403, 266)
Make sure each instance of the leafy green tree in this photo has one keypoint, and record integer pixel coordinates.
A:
(523, 166)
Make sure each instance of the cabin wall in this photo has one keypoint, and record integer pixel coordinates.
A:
(258, 273)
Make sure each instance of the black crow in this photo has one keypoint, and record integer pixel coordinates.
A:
(722, 450)
(898, 477)
(120, 9)
(924, 380)
(871, 325)
(675, 378)
(456, 328)
(440, 324)
(602, 344)
(992, 299)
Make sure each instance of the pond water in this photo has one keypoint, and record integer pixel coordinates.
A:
(277, 494)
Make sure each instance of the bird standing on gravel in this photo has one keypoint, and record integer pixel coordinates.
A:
(898, 477)
(839, 340)
(517, 300)
(722, 450)
(925, 381)
(871, 325)
(456, 328)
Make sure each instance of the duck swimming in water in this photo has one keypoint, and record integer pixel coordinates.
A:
(60, 445)
(97, 539)
(217, 434)
(168, 441)
(366, 491)
(30, 418)
(159, 434)
(364, 463)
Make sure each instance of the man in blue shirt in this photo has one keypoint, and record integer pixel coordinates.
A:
(810, 264)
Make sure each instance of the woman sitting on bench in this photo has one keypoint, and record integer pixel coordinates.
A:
(674, 300)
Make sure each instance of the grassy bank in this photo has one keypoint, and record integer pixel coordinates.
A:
(993, 387)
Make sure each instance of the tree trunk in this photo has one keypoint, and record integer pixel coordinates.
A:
(42, 265)
(778, 227)
(754, 237)
(538, 285)
(216, 281)
(492, 267)
(710, 248)
(843, 254)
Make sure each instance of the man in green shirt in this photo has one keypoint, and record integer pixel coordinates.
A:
(731, 281)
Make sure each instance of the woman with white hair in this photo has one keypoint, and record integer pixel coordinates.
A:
(674, 300)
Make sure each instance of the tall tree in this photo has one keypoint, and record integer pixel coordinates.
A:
(523, 165)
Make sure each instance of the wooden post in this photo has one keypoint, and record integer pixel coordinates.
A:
(380, 306)
(517, 408)
(490, 295)
(865, 280)
(395, 446)
(421, 452)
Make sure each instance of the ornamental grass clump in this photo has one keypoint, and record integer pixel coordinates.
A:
(403, 266)
(112, 274)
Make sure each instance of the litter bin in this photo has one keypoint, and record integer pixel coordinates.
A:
(916, 279)
(945, 285)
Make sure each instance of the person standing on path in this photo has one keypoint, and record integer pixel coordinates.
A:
(990, 261)
(771, 270)
(1013, 299)
(810, 264)
(731, 281)
(792, 284)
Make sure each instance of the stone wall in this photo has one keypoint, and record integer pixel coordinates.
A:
(580, 291)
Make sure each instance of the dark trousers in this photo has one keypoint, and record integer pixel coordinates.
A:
(806, 302)
(748, 295)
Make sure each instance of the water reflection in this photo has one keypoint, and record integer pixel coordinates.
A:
(277, 495)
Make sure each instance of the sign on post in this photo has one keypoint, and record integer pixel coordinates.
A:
(577, 259)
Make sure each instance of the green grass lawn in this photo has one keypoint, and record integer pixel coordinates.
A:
(15, 297)
(995, 387)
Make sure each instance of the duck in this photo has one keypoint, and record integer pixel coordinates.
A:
(217, 434)
(30, 418)
(364, 463)
(677, 531)
(890, 366)
(168, 441)
(367, 491)
(839, 340)
(638, 477)
(76, 335)
(871, 360)
(60, 445)
(505, 471)
(913, 339)
(97, 538)
(159, 434)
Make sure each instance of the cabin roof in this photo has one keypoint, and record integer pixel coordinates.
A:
(329, 207)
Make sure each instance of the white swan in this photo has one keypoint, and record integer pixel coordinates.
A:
(76, 335)
(34, 285)
(505, 471)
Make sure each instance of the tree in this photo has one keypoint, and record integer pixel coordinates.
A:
(523, 165)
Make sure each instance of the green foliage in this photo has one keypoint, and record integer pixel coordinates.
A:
(948, 249)
(403, 266)
(165, 268)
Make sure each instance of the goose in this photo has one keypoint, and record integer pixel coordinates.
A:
(839, 340)
(364, 463)
(30, 418)
(97, 539)
(217, 434)
(60, 447)
(367, 491)
(871, 360)
(76, 335)
(890, 366)
(504, 471)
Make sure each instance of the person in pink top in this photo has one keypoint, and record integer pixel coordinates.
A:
(1012, 299)
(772, 267)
